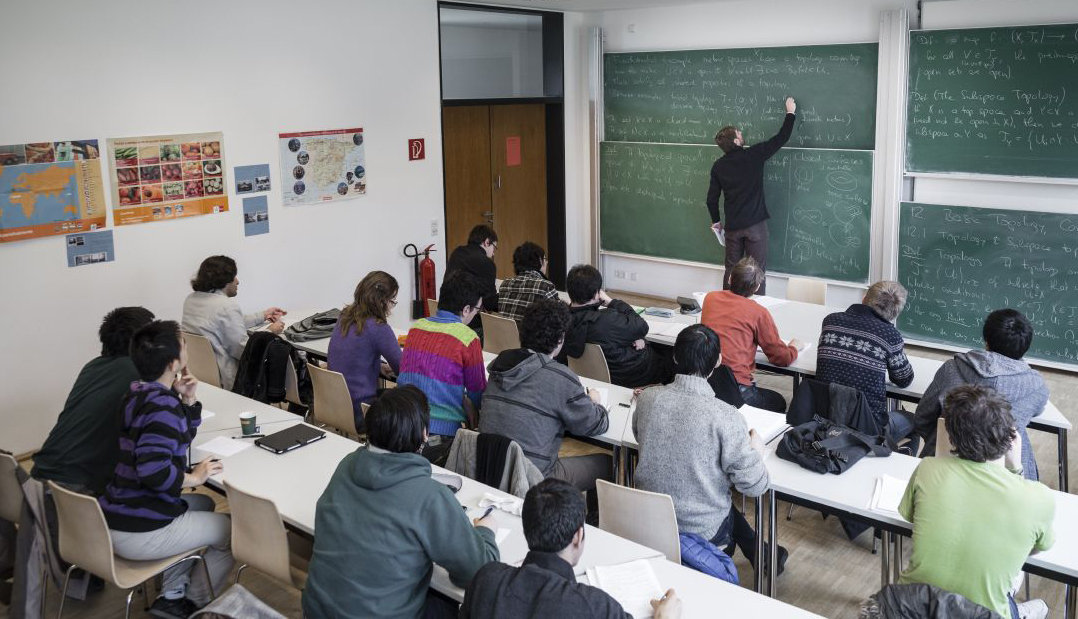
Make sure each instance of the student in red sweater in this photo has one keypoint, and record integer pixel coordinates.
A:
(743, 324)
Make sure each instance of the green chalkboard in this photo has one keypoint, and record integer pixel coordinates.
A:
(998, 101)
(686, 96)
(960, 263)
(652, 203)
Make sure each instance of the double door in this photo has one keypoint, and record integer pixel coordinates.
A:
(496, 173)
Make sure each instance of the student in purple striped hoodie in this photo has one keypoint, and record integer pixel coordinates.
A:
(147, 516)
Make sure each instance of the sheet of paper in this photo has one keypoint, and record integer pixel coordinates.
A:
(720, 236)
(224, 446)
(208, 414)
(888, 494)
(501, 534)
(766, 423)
(632, 584)
(667, 329)
(805, 347)
(769, 301)
(604, 396)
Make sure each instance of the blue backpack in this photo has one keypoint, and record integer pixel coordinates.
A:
(703, 556)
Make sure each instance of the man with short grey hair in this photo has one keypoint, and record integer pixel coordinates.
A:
(861, 348)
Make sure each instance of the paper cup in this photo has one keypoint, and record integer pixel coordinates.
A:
(248, 423)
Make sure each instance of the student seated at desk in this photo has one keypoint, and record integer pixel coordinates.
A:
(477, 258)
(743, 324)
(212, 312)
(80, 452)
(861, 348)
(974, 521)
(618, 330)
(545, 585)
(444, 359)
(534, 400)
(383, 523)
(363, 337)
(148, 517)
(694, 447)
(1007, 336)
(529, 284)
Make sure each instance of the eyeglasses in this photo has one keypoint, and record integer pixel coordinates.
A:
(393, 303)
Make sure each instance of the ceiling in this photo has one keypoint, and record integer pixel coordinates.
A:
(594, 5)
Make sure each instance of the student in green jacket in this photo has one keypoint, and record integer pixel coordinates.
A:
(383, 522)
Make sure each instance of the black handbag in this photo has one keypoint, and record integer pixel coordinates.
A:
(827, 447)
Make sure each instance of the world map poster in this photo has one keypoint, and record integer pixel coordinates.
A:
(163, 177)
(50, 188)
(320, 166)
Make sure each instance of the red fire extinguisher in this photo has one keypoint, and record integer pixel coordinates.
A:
(425, 284)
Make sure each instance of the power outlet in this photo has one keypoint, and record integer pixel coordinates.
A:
(434, 227)
(619, 274)
(632, 276)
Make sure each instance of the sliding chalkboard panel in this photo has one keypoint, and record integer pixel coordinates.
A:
(652, 203)
(998, 101)
(960, 263)
(686, 96)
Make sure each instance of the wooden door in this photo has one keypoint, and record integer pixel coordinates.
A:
(519, 187)
(466, 152)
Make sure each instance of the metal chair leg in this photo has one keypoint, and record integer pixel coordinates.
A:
(127, 609)
(240, 571)
(63, 592)
(790, 513)
(146, 595)
(209, 581)
(876, 541)
(1027, 586)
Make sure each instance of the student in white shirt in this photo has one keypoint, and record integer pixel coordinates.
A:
(211, 311)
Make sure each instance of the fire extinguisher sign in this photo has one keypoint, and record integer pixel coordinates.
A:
(416, 149)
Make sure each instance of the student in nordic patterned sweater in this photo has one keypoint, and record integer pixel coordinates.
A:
(444, 358)
(861, 348)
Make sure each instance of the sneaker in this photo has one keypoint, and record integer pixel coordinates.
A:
(783, 555)
(1033, 609)
(181, 608)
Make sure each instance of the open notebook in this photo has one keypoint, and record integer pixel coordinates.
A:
(766, 423)
(632, 584)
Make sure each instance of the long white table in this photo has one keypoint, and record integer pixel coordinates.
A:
(796, 319)
(294, 481)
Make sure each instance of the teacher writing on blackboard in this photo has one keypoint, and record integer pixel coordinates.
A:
(739, 173)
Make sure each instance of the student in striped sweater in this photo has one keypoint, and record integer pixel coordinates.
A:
(148, 518)
(443, 357)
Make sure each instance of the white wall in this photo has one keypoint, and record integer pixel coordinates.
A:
(250, 68)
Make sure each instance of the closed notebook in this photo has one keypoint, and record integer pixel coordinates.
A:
(290, 438)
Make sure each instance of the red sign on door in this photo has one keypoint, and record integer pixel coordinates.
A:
(512, 151)
(416, 149)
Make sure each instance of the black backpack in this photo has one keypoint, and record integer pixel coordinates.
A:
(827, 447)
(262, 367)
(315, 327)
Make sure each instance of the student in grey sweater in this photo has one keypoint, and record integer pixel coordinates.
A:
(1007, 336)
(694, 447)
(535, 400)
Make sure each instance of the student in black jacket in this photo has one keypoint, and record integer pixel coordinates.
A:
(477, 258)
(545, 585)
(739, 174)
(618, 330)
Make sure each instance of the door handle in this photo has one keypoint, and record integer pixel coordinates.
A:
(498, 181)
(489, 216)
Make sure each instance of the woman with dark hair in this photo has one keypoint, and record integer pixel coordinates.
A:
(363, 338)
(383, 523)
(529, 284)
(212, 312)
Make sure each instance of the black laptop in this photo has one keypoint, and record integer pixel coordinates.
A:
(290, 438)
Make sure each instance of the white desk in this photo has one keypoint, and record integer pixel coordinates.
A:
(849, 495)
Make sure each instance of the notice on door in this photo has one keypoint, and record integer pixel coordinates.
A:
(512, 151)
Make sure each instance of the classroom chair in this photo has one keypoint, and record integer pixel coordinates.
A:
(291, 385)
(591, 364)
(646, 518)
(200, 359)
(85, 543)
(11, 497)
(332, 403)
(499, 333)
(432, 307)
(259, 539)
(806, 290)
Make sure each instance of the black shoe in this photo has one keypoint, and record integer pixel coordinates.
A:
(173, 609)
(783, 555)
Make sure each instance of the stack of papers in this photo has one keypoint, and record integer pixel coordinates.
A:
(667, 329)
(224, 447)
(888, 494)
(768, 301)
(632, 584)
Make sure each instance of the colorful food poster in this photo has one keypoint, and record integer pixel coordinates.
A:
(251, 178)
(90, 248)
(50, 188)
(162, 177)
(255, 216)
(320, 166)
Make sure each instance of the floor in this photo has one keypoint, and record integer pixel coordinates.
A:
(825, 574)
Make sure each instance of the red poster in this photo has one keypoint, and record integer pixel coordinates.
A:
(512, 151)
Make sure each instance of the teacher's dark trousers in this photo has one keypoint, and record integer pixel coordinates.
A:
(751, 241)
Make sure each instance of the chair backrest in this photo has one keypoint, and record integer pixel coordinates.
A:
(499, 333)
(200, 359)
(591, 364)
(10, 490)
(432, 307)
(291, 383)
(332, 402)
(259, 538)
(806, 290)
(84, 534)
(646, 518)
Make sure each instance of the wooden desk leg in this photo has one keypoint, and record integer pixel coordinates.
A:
(885, 558)
(758, 572)
(1061, 441)
(773, 549)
